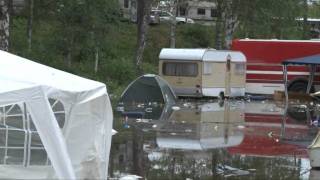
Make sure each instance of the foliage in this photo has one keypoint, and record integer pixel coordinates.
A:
(196, 37)
(77, 27)
(269, 19)
(314, 11)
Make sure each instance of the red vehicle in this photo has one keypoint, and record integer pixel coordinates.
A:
(264, 58)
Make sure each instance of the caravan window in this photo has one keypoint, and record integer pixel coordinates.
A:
(180, 69)
(207, 68)
(240, 68)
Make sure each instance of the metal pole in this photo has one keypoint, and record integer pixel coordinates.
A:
(285, 81)
(311, 76)
(226, 121)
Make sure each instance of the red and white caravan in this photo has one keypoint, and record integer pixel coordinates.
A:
(264, 68)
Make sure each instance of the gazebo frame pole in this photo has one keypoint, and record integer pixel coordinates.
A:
(285, 82)
(311, 77)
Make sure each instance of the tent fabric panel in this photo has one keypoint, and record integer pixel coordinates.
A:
(143, 90)
(90, 122)
(43, 118)
(168, 93)
(51, 135)
(104, 119)
(309, 60)
(25, 81)
(19, 69)
(9, 85)
(20, 172)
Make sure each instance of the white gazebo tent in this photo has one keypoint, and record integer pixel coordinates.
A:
(78, 150)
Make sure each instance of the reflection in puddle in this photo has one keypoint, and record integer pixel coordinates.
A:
(219, 139)
(206, 126)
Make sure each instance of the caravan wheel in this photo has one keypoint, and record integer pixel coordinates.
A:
(221, 95)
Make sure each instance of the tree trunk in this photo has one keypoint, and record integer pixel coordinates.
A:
(143, 12)
(173, 4)
(30, 23)
(305, 20)
(4, 25)
(231, 23)
(218, 25)
(69, 51)
(96, 63)
(69, 58)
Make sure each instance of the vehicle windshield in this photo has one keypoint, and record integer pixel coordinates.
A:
(153, 13)
(164, 13)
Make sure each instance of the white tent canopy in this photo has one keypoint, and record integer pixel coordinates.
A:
(81, 148)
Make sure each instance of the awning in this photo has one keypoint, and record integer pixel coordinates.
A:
(312, 62)
(309, 60)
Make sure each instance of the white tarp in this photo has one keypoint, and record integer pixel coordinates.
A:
(81, 148)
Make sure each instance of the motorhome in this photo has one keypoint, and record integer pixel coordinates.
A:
(264, 73)
(203, 72)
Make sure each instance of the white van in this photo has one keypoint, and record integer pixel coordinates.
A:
(204, 72)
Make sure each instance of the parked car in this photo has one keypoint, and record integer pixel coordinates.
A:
(154, 18)
(166, 17)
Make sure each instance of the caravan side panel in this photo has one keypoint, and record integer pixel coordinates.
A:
(213, 78)
(183, 76)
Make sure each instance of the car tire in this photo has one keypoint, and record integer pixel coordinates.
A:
(300, 86)
(298, 116)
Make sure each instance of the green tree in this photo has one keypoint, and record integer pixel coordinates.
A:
(83, 26)
(259, 19)
(4, 24)
(143, 12)
(269, 19)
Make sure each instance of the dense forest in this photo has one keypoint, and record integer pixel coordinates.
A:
(93, 39)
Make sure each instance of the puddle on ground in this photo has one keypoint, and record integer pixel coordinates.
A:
(214, 140)
(233, 139)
